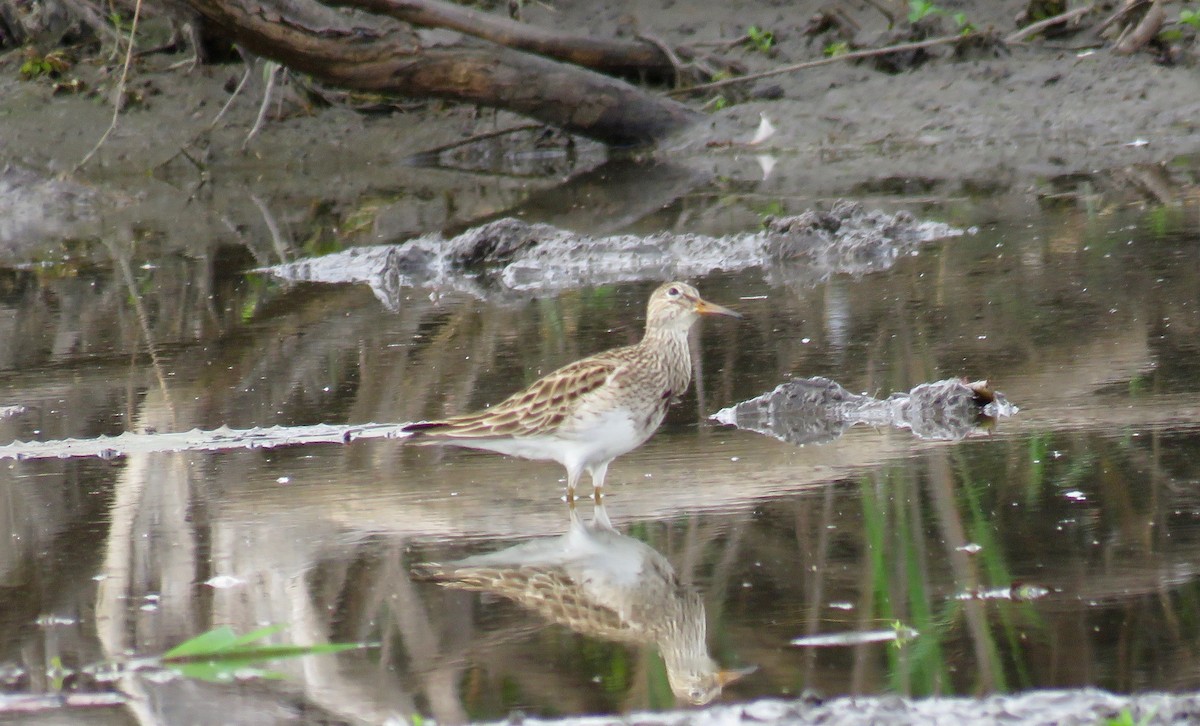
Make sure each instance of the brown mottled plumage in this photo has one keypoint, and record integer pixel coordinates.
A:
(603, 584)
(589, 412)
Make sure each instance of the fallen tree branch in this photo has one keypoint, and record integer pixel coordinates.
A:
(855, 55)
(609, 56)
(343, 50)
(1039, 26)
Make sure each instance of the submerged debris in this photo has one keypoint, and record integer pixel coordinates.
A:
(1017, 592)
(898, 634)
(511, 256)
(112, 447)
(817, 410)
(10, 411)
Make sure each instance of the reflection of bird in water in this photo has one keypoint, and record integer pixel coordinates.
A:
(589, 412)
(600, 583)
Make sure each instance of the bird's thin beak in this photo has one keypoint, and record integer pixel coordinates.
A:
(727, 677)
(704, 307)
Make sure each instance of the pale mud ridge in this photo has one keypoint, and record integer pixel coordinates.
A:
(1085, 707)
(509, 258)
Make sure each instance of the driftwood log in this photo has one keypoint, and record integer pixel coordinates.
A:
(366, 52)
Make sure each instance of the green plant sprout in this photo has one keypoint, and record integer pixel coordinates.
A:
(920, 9)
(841, 47)
(51, 65)
(761, 39)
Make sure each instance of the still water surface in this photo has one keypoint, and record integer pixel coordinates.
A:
(1087, 320)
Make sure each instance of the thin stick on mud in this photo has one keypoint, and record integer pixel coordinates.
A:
(119, 97)
(1034, 28)
(428, 153)
(899, 48)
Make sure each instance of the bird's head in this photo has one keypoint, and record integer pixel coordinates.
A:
(701, 684)
(677, 305)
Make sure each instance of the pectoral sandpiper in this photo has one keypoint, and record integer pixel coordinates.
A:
(589, 412)
(603, 584)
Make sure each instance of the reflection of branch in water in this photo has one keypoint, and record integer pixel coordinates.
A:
(277, 239)
(603, 584)
(815, 571)
(943, 494)
(143, 322)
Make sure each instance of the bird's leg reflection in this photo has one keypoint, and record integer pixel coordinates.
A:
(600, 514)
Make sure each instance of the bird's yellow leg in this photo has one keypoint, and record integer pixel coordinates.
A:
(572, 482)
(599, 471)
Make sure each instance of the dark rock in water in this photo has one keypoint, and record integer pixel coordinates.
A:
(846, 238)
(817, 410)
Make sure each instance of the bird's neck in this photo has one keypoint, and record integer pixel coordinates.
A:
(670, 346)
(682, 641)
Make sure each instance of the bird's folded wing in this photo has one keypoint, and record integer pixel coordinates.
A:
(536, 410)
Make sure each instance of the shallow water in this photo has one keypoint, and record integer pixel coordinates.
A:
(1059, 548)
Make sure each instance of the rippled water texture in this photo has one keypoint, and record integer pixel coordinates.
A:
(1057, 547)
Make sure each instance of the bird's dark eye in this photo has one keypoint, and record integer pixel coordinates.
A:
(673, 292)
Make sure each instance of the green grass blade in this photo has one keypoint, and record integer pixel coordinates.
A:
(206, 643)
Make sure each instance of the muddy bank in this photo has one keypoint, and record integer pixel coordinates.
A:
(1001, 121)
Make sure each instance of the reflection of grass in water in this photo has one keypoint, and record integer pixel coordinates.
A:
(660, 696)
(1080, 470)
(983, 533)
(1039, 449)
(918, 667)
(895, 537)
(217, 656)
(220, 655)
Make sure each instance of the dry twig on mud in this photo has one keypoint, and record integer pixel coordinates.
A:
(1039, 26)
(1133, 38)
(855, 55)
(477, 137)
(119, 95)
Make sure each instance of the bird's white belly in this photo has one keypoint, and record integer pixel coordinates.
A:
(587, 441)
(605, 436)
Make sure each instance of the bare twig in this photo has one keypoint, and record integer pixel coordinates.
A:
(271, 71)
(666, 51)
(241, 84)
(1039, 26)
(478, 137)
(899, 48)
(1145, 31)
(891, 18)
(1120, 14)
(118, 100)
